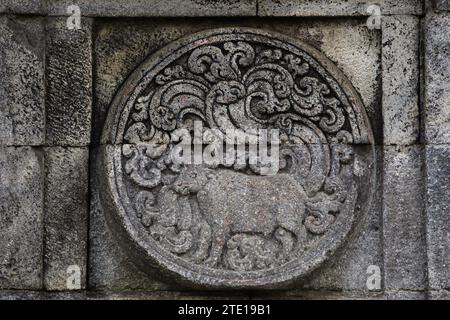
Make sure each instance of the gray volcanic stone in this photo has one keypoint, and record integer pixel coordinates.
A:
(169, 295)
(69, 83)
(22, 115)
(41, 295)
(121, 46)
(347, 271)
(438, 218)
(400, 80)
(315, 295)
(21, 210)
(17, 295)
(229, 226)
(21, 6)
(66, 215)
(404, 233)
(336, 7)
(406, 295)
(439, 295)
(442, 5)
(437, 77)
(168, 8)
(109, 267)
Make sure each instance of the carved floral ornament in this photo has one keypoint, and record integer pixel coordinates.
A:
(227, 225)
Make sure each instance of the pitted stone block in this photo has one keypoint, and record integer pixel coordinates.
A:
(22, 88)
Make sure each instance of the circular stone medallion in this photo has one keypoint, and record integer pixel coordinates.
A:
(228, 225)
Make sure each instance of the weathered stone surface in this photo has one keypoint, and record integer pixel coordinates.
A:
(121, 47)
(439, 295)
(21, 210)
(438, 218)
(437, 77)
(400, 80)
(109, 267)
(21, 6)
(406, 295)
(41, 295)
(335, 7)
(208, 226)
(347, 271)
(405, 225)
(442, 5)
(404, 234)
(17, 295)
(22, 115)
(66, 217)
(69, 83)
(153, 8)
(315, 295)
(169, 295)
(354, 48)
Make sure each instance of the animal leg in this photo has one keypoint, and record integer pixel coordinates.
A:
(218, 242)
(204, 240)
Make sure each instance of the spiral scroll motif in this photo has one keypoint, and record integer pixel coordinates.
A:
(230, 226)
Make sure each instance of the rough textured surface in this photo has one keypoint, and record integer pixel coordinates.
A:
(109, 267)
(69, 83)
(400, 65)
(21, 6)
(437, 77)
(50, 76)
(405, 257)
(153, 8)
(442, 5)
(121, 46)
(314, 295)
(439, 295)
(231, 226)
(66, 215)
(22, 115)
(21, 210)
(438, 218)
(348, 269)
(335, 7)
(406, 295)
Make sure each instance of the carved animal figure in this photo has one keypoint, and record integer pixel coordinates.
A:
(234, 203)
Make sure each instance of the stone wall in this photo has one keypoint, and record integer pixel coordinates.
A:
(58, 86)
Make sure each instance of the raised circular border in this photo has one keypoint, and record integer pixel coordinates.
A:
(149, 256)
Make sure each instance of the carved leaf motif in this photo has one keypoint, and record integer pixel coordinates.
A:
(230, 217)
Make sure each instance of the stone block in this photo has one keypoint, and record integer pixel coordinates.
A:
(168, 295)
(439, 295)
(315, 295)
(69, 83)
(406, 295)
(335, 7)
(168, 8)
(22, 89)
(442, 5)
(404, 237)
(66, 218)
(21, 211)
(21, 6)
(400, 64)
(438, 217)
(436, 111)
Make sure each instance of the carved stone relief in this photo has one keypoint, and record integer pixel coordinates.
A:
(227, 225)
